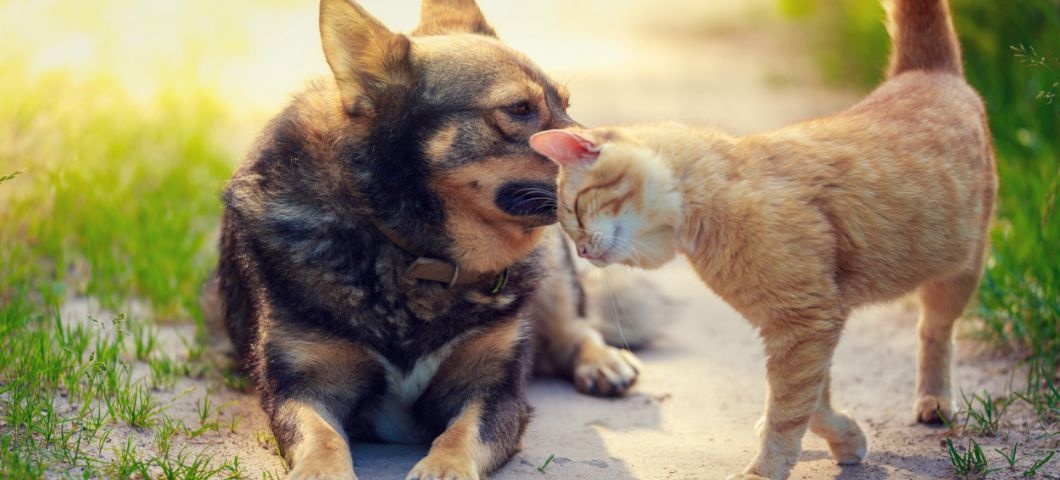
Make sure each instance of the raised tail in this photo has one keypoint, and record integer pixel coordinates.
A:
(923, 37)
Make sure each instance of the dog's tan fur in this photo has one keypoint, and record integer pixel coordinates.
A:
(798, 227)
(487, 239)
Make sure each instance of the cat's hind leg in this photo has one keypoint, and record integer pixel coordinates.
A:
(845, 439)
(942, 301)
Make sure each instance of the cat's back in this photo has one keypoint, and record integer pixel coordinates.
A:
(914, 126)
(905, 177)
(935, 104)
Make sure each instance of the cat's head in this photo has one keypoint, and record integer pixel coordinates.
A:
(618, 200)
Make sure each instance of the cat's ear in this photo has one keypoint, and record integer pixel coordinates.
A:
(565, 147)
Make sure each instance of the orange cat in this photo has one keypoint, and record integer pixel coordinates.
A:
(796, 228)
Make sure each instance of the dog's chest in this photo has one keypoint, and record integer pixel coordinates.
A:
(394, 420)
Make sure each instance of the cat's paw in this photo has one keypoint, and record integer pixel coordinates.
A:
(605, 371)
(321, 471)
(444, 467)
(845, 438)
(851, 448)
(760, 427)
(933, 409)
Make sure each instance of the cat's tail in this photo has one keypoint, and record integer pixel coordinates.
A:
(922, 37)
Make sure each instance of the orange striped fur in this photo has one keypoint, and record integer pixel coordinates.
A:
(797, 227)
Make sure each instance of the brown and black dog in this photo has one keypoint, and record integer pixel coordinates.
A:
(383, 244)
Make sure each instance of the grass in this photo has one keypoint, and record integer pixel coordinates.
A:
(983, 413)
(1033, 470)
(1010, 456)
(970, 464)
(106, 197)
(10, 176)
(541, 468)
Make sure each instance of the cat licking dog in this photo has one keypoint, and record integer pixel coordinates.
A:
(798, 227)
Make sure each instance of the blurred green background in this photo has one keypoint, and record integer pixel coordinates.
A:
(1012, 57)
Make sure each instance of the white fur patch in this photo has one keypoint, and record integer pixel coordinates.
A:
(393, 421)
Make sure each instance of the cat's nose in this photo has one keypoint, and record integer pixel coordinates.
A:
(583, 250)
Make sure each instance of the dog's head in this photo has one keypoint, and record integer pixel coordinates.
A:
(436, 126)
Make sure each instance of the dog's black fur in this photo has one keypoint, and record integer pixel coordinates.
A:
(426, 137)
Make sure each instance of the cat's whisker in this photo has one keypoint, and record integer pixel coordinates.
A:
(632, 245)
(632, 323)
(530, 230)
(613, 309)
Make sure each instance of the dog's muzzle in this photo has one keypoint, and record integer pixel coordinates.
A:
(534, 200)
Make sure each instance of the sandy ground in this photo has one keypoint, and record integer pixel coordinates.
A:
(730, 63)
(692, 414)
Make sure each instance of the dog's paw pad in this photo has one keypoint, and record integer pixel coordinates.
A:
(605, 371)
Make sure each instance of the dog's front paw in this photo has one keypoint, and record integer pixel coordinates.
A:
(444, 467)
(604, 370)
(933, 409)
(321, 471)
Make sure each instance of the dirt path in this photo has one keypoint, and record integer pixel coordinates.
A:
(730, 63)
(702, 390)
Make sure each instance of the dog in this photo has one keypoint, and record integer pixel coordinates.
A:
(388, 270)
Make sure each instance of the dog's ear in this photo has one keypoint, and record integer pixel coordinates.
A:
(441, 17)
(371, 64)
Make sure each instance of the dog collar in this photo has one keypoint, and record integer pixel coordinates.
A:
(441, 271)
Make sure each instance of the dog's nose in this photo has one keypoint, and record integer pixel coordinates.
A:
(528, 199)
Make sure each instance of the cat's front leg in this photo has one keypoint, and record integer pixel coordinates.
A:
(798, 357)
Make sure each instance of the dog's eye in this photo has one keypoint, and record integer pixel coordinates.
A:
(519, 109)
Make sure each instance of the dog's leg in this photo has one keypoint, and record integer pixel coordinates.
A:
(313, 442)
(480, 391)
(479, 440)
(310, 386)
(570, 346)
